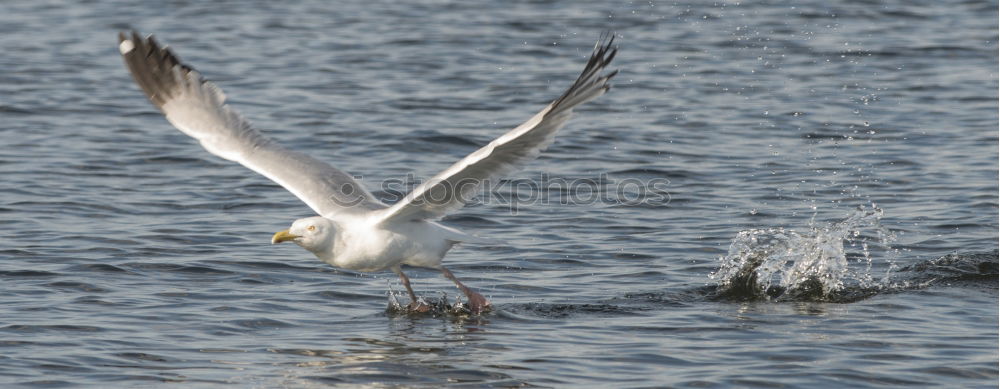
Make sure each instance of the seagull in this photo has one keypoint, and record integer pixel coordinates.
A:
(353, 229)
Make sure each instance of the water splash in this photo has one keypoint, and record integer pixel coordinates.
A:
(426, 306)
(813, 265)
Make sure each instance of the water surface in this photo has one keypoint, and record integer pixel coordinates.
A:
(855, 142)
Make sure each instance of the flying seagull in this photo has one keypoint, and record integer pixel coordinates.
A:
(354, 230)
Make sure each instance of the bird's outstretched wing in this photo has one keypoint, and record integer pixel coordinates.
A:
(198, 108)
(451, 189)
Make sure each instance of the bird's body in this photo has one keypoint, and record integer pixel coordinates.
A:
(354, 230)
(368, 247)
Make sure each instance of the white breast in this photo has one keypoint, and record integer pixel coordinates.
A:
(367, 248)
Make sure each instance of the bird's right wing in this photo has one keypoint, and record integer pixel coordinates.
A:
(451, 189)
(198, 108)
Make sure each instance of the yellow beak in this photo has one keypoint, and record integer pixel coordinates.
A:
(283, 236)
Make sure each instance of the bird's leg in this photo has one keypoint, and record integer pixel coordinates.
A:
(414, 304)
(477, 303)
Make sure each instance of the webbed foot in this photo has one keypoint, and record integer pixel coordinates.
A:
(477, 303)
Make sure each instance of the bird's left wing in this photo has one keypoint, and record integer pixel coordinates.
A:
(450, 190)
(198, 108)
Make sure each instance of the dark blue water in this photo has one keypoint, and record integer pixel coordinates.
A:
(131, 257)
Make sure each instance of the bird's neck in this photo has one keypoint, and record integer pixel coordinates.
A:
(323, 251)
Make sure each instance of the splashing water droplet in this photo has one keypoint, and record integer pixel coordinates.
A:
(784, 264)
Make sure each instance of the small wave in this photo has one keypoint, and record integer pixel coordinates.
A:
(950, 269)
(33, 328)
(260, 323)
(27, 273)
(176, 268)
(77, 286)
(448, 139)
(470, 220)
(567, 310)
(447, 104)
(96, 267)
(10, 109)
(143, 357)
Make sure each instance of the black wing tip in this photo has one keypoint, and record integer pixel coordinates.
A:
(604, 52)
(608, 36)
(152, 66)
(605, 49)
(131, 36)
(610, 75)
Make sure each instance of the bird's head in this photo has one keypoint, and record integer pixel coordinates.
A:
(312, 233)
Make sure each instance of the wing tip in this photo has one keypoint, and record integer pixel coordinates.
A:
(155, 68)
(590, 83)
(126, 46)
(126, 43)
(605, 53)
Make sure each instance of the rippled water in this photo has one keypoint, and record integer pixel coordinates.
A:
(131, 257)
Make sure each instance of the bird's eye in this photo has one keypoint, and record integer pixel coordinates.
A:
(311, 228)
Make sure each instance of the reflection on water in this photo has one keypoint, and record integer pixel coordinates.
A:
(416, 350)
